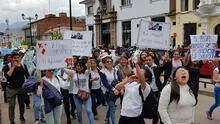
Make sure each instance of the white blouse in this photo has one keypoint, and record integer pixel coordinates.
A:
(173, 113)
(132, 102)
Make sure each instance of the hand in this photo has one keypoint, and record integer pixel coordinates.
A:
(116, 92)
(122, 92)
(15, 64)
(40, 81)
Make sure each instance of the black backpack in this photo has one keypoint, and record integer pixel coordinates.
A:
(149, 109)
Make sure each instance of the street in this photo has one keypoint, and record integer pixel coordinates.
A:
(204, 103)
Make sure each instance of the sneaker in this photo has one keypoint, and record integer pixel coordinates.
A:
(43, 120)
(209, 115)
(74, 116)
(37, 122)
(12, 122)
(107, 121)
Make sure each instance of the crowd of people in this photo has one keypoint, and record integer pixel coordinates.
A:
(127, 74)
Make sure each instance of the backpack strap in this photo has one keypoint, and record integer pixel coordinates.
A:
(141, 94)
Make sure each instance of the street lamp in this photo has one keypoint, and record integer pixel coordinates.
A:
(70, 7)
(29, 18)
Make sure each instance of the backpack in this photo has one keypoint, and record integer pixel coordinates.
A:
(150, 105)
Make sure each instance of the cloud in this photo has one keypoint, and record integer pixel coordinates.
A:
(12, 9)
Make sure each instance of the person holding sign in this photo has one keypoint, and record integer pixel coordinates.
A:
(52, 98)
(81, 89)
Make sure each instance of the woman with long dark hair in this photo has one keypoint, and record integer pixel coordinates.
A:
(178, 99)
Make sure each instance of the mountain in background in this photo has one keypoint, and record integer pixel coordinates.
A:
(15, 28)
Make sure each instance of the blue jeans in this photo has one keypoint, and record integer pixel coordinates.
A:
(111, 109)
(217, 99)
(54, 117)
(37, 108)
(88, 106)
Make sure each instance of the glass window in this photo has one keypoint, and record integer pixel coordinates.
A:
(90, 10)
(126, 33)
(125, 2)
(184, 5)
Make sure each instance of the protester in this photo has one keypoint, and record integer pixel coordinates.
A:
(67, 96)
(125, 70)
(51, 86)
(178, 99)
(155, 82)
(15, 74)
(171, 66)
(142, 59)
(110, 77)
(6, 61)
(81, 90)
(95, 86)
(216, 81)
(132, 102)
(193, 67)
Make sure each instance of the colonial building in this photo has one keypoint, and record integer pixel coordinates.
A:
(116, 22)
(42, 28)
(209, 12)
(184, 22)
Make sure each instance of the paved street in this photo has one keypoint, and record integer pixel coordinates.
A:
(200, 117)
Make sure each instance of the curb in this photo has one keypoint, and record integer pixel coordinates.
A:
(206, 93)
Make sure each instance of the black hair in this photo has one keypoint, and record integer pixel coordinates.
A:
(5, 59)
(15, 54)
(81, 63)
(175, 89)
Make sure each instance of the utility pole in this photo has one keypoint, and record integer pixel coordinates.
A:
(70, 7)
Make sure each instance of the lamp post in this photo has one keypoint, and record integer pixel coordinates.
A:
(70, 6)
(30, 19)
(7, 29)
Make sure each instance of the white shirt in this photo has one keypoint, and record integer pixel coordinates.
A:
(153, 82)
(217, 84)
(81, 81)
(132, 103)
(173, 113)
(57, 83)
(110, 75)
(97, 83)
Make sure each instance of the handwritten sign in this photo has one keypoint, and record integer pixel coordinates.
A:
(53, 54)
(203, 47)
(155, 35)
(81, 42)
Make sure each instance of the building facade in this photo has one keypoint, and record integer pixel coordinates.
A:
(116, 22)
(42, 29)
(209, 12)
(184, 22)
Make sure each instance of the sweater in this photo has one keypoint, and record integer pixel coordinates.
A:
(173, 113)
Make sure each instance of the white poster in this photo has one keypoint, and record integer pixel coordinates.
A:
(82, 42)
(53, 54)
(154, 35)
(203, 47)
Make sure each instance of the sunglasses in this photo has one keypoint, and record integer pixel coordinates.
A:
(52, 70)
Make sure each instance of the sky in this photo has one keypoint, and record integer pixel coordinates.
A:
(12, 9)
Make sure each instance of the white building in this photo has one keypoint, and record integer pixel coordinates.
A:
(116, 22)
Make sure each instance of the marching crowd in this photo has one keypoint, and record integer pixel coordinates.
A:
(133, 76)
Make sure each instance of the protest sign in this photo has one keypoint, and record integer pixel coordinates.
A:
(53, 54)
(155, 35)
(81, 42)
(203, 47)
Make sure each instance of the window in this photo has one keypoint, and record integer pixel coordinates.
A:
(158, 19)
(90, 28)
(125, 2)
(90, 10)
(126, 33)
(196, 4)
(184, 5)
(174, 23)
